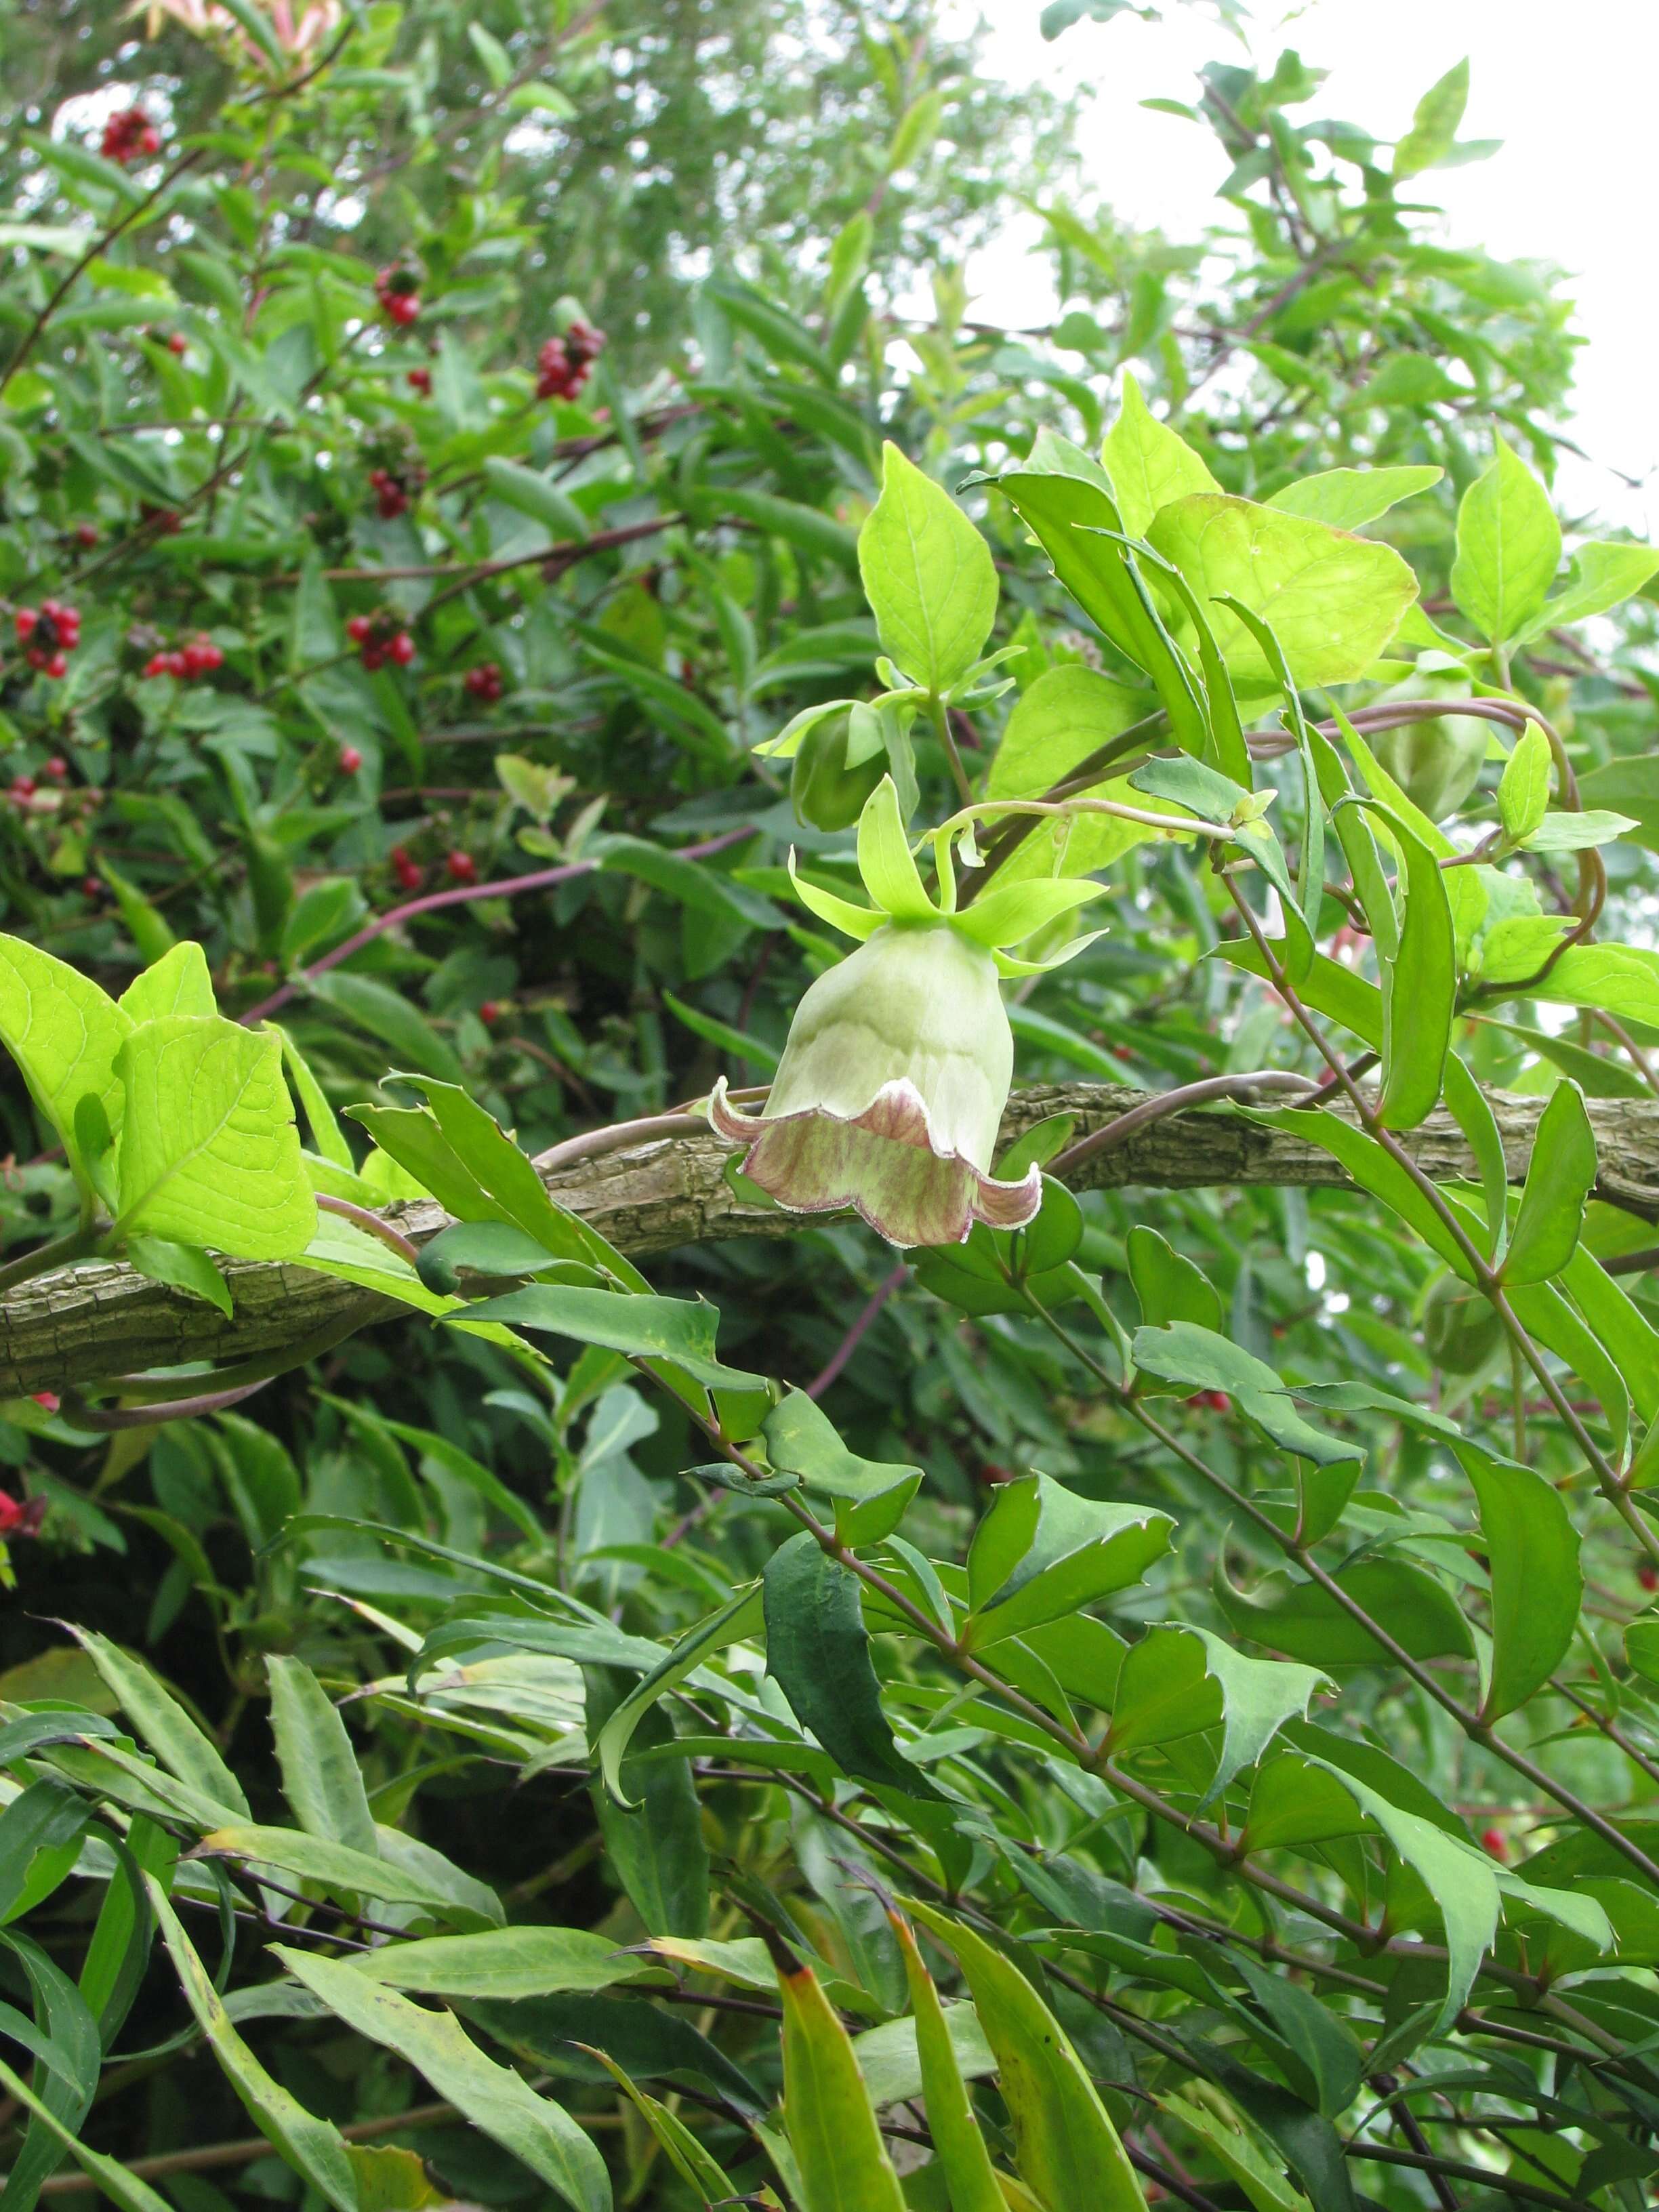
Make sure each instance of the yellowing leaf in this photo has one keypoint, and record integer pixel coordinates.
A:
(209, 1153)
(1334, 601)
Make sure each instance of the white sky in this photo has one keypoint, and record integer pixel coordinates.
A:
(1571, 90)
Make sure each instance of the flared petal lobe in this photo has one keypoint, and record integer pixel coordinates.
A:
(890, 1094)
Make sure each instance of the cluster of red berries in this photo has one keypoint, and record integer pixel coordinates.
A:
(51, 631)
(485, 681)
(420, 379)
(566, 362)
(390, 495)
(198, 658)
(129, 136)
(1216, 1401)
(410, 873)
(398, 291)
(379, 638)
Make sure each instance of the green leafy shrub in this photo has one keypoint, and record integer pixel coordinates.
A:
(582, 1684)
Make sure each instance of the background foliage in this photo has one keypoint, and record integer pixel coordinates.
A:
(363, 1634)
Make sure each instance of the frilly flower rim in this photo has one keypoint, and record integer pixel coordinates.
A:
(881, 1161)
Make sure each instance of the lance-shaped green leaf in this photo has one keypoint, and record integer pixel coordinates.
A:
(207, 1152)
(1434, 126)
(504, 1964)
(1347, 499)
(1042, 1552)
(818, 1651)
(1168, 1285)
(1065, 2144)
(832, 2124)
(928, 576)
(177, 983)
(1237, 2146)
(312, 2146)
(959, 2144)
(1523, 789)
(162, 1723)
(1560, 1175)
(642, 1325)
(1420, 984)
(740, 1617)
(1459, 1879)
(871, 1495)
(1149, 463)
(347, 1873)
(1601, 576)
(120, 2186)
(321, 1778)
(63, 1033)
(1509, 547)
(493, 2098)
(1200, 1358)
(1537, 1585)
(696, 2166)
(1063, 498)
(1179, 1681)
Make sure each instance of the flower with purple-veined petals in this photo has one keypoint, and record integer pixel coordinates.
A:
(891, 1087)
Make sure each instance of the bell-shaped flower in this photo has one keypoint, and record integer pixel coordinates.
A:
(891, 1087)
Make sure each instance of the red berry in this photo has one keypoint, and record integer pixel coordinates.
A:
(91, 887)
(489, 1013)
(11, 1510)
(372, 657)
(485, 681)
(128, 134)
(358, 628)
(463, 867)
(351, 760)
(402, 649)
(57, 769)
(1648, 1574)
(23, 788)
(1494, 1843)
(24, 623)
(178, 342)
(58, 665)
(420, 379)
(86, 533)
(201, 656)
(407, 872)
(1217, 1401)
(401, 306)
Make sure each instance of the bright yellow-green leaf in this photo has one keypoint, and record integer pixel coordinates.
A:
(209, 1153)
(1149, 463)
(1065, 2146)
(928, 576)
(1334, 601)
(1509, 547)
(844, 2165)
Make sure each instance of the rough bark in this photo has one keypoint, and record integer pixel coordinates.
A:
(86, 1323)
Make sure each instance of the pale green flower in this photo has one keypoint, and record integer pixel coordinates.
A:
(892, 1084)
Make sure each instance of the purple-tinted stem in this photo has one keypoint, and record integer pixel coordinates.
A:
(506, 887)
(849, 1343)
